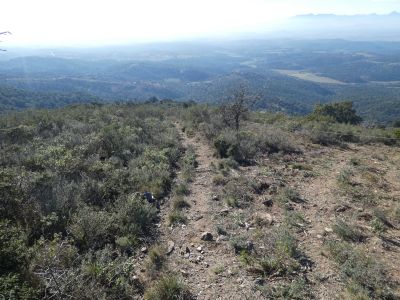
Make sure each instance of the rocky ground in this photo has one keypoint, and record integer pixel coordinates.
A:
(332, 183)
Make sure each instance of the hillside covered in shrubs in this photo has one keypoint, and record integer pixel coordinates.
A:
(102, 201)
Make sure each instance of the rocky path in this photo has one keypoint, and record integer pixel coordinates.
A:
(209, 267)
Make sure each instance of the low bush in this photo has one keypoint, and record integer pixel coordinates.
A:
(168, 287)
(348, 232)
(176, 217)
(288, 195)
(298, 289)
(182, 189)
(237, 192)
(179, 203)
(363, 274)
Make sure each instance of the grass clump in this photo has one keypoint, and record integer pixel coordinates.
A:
(347, 232)
(364, 275)
(345, 177)
(156, 257)
(302, 167)
(397, 214)
(182, 189)
(298, 289)
(219, 179)
(189, 164)
(295, 220)
(278, 256)
(239, 244)
(180, 203)
(288, 195)
(168, 287)
(176, 217)
(237, 192)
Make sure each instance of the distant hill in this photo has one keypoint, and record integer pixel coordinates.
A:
(14, 99)
(355, 27)
(289, 75)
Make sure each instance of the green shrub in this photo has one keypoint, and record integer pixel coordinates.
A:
(134, 216)
(13, 249)
(12, 286)
(341, 112)
(91, 228)
(156, 258)
(397, 133)
(15, 280)
(277, 140)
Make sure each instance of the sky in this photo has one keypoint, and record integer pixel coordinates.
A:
(98, 22)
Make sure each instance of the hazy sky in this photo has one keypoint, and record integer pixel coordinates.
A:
(87, 22)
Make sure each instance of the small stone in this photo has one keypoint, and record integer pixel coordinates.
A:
(207, 236)
(365, 216)
(185, 250)
(267, 219)
(268, 202)
(222, 238)
(143, 249)
(215, 197)
(186, 255)
(199, 258)
(184, 273)
(200, 248)
(328, 230)
(249, 245)
(319, 236)
(341, 208)
(247, 225)
(196, 218)
(224, 211)
(171, 247)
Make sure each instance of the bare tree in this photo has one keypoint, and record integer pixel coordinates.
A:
(4, 33)
(236, 107)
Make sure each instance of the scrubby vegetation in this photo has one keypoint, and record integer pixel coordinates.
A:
(71, 185)
(86, 190)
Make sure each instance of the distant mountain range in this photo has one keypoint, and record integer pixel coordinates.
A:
(370, 27)
(393, 14)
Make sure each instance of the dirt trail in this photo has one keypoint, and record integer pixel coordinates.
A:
(212, 271)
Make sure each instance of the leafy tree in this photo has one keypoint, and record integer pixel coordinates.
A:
(341, 112)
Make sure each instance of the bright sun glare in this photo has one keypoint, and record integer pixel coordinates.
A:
(89, 22)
